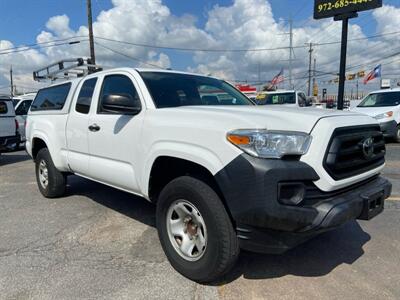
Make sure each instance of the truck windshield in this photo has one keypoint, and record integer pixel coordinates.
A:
(381, 100)
(173, 90)
(281, 98)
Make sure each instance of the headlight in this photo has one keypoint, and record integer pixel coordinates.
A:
(270, 144)
(385, 115)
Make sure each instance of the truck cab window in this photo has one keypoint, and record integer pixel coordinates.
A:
(3, 108)
(23, 108)
(85, 96)
(118, 85)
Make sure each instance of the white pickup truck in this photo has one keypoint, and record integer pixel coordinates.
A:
(224, 173)
(384, 106)
(9, 136)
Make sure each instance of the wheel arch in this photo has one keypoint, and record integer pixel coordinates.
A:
(38, 143)
(177, 167)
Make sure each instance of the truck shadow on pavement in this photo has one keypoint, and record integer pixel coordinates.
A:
(127, 204)
(317, 257)
(11, 158)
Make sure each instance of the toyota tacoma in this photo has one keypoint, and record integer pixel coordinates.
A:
(223, 173)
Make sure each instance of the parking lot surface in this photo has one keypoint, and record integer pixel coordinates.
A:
(100, 243)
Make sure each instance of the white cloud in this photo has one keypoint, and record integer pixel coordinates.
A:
(244, 24)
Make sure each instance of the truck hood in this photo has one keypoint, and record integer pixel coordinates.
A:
(257, 117)
(373, 111)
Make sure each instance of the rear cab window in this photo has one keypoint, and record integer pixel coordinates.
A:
(51, 98)
(3, 108)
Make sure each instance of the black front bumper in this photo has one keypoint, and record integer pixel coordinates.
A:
(389, 129)
(8, 141)
(251, 190)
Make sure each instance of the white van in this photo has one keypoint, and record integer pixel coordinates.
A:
(384, 106)
(9, 137)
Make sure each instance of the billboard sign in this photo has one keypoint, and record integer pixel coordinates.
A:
(331, 8)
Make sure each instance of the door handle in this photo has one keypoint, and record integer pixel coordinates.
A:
(94, 127)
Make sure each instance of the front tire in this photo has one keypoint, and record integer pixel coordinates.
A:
(51, 182)
(397, 137)
(195, 230)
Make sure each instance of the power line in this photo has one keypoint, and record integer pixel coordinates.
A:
(129, 56)
(361, 54)
(39, 46)
(43, 43)
(193, 49)
(238, 50)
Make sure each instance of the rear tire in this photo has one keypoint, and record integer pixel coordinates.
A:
(207, 224)
(51, 182)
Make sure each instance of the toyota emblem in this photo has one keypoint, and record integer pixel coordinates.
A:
(368, 147)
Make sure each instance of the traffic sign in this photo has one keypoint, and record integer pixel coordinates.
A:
(331, 8)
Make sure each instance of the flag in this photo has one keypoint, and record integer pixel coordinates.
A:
(375, 73)
(278, 78)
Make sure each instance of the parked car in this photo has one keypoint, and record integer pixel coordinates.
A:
(21, 106)
(384, 106)
(288, 98)
(9, 137)
(223, 173)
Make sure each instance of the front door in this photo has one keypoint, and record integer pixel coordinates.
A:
(114, 138)
(78, 128)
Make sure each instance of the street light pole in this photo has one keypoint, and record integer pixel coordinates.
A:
(11, 82)
(309, 69)
(90, 27)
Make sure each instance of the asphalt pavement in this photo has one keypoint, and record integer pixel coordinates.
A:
(100, 243)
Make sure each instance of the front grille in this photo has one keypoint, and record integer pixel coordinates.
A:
(349, 154)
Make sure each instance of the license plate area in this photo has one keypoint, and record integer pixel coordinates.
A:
(373, 205)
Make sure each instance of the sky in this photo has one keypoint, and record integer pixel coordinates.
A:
(195, 24)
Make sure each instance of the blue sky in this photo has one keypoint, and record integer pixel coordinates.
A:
(25, 19)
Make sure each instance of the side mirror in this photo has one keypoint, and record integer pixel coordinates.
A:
(119, 104)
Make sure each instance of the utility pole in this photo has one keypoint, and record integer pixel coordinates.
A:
(314, 79)
(357, 88)
(290, 53)
(90, 27)
(309, 69)
(11, 82)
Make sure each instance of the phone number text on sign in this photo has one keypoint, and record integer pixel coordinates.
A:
(330, 8)
(339, 4)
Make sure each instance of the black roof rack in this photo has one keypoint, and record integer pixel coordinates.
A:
(66, 69)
